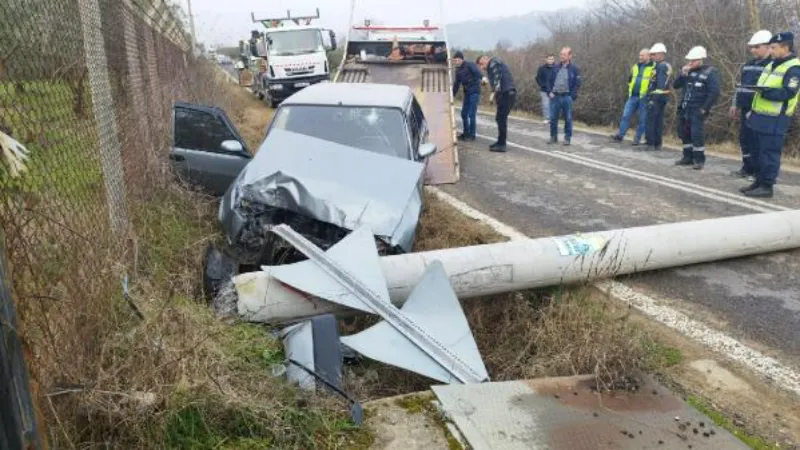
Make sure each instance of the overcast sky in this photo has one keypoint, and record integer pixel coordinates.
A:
(227, 21)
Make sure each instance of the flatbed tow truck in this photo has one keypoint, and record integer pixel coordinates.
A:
(417, 57)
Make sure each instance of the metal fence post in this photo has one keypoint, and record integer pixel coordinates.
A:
(104, 115)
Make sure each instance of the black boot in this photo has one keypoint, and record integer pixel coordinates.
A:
(616, 138)
(462, 137)
(553, 140)
(762, 191)
(497, 147)
(687, 158)
(741, 173)
(699, 158)
(749, 187)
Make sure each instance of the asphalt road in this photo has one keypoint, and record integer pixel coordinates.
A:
(596, 185)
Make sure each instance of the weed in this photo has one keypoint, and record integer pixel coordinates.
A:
(661, 357)
(721, 420)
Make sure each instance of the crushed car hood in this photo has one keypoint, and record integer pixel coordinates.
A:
(336, 184)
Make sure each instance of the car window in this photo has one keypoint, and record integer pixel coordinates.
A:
(379, 130)
(417, 125)
(199, 130)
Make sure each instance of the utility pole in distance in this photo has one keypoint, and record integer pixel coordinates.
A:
(191, 26)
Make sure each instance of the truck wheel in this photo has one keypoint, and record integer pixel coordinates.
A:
(219, 268)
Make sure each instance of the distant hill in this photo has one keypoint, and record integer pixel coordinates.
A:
(519, 30)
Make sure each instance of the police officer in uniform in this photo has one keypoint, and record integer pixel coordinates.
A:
(771, 112)
(701, 86)
(659, 97)
(750, 73)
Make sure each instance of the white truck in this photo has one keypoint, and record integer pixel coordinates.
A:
(290, 55)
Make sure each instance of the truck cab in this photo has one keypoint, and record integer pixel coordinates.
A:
(293, 55)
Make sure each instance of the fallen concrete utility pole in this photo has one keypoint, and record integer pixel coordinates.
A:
(525, 264)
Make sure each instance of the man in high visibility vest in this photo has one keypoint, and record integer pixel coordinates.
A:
(743, 100)
(638, 87)
(660, 90)
(771, 112)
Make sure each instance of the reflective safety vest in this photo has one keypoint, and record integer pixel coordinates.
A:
(772, 77)
(647, 77)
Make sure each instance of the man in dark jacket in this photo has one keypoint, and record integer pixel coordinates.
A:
(701, 86)
(469, 75)
(565, 82)
(503, 92)
(743, 100)
(543, 80)
(659, 95)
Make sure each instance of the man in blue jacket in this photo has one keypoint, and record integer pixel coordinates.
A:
(503, 92)
(701, 85)
(565, 82)
(772, 110)
(468, 75)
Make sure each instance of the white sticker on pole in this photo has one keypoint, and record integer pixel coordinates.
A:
(579, 245)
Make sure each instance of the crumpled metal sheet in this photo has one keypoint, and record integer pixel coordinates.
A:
(336, 184)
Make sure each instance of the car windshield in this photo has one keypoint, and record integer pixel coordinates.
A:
(299, 42)
(378, 130)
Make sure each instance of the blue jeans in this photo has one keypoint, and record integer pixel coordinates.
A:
(469, 112)
(559, 104)
(633, 104)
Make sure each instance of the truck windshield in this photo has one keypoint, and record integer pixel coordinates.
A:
(378, 130)
(299, 42)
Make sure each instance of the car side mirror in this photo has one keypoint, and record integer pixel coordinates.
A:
(232, 146)
(427, 149)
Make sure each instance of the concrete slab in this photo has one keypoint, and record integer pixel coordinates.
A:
(568, 414)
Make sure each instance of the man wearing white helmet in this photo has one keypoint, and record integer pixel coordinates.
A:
(659, 97)
(701, 85)
(749, 75)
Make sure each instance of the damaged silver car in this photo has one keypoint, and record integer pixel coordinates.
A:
(335, 156)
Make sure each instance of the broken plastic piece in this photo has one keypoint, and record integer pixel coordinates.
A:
(429, 336)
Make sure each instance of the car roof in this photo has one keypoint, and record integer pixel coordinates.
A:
(352, 94)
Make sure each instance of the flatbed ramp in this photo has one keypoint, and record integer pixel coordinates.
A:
(567, 414)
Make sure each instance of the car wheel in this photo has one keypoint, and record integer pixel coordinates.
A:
(218, 269)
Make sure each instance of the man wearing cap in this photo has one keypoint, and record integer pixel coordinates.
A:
(468, 75)
(742, 101)
(639, 80)
(701, 86)
(658, 97)
(773, 106)
(503, 92)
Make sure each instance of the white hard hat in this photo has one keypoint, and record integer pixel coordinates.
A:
(760, 37)
(659, 48)
(698, 52)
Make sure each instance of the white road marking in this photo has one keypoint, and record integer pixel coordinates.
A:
(772, 369)
(644, 176)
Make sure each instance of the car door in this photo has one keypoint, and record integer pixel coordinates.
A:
(198, 155)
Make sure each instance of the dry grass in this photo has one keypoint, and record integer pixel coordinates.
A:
(521, 335)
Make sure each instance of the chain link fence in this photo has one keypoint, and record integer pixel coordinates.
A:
(86, 93)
